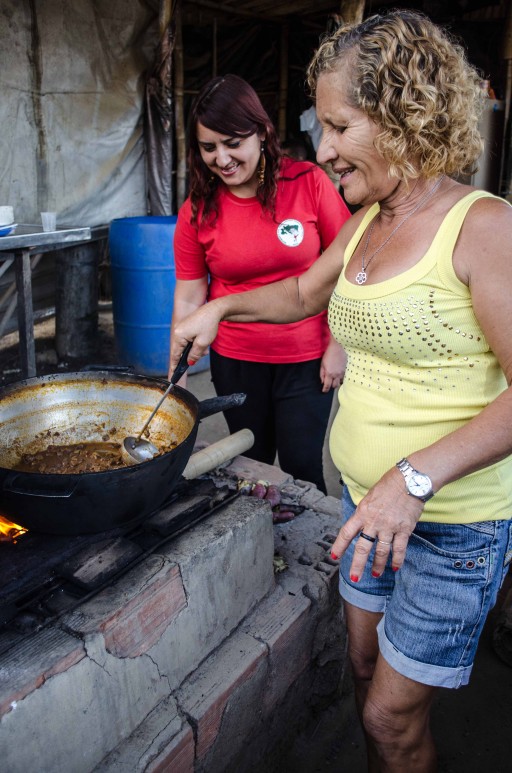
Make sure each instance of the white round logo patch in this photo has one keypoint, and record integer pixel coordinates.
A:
(290, 232)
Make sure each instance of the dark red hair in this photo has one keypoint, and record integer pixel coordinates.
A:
(229, 105)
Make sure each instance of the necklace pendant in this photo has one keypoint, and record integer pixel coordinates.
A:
(361, 278)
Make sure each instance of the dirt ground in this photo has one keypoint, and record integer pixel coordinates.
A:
(472, 726)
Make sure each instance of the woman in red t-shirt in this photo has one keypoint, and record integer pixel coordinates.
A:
(253, 217)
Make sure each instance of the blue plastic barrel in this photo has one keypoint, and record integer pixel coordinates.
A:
(143, 282)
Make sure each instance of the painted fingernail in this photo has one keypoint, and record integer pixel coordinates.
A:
(190, 362)
(375, 574)
(334, 556)
(395, 568)
(354, 578)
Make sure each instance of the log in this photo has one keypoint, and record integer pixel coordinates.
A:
(218, 453)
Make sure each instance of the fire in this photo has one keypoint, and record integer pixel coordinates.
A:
(10, 531)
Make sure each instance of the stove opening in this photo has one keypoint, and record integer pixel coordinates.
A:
(9, 531)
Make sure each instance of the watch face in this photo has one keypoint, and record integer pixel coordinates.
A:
(419, 485)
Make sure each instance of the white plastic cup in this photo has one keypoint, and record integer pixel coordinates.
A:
(49, 221)
(6, 215)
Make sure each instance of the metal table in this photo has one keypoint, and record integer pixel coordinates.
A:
(28, 240)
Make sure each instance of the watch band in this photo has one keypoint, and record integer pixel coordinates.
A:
(405, 467)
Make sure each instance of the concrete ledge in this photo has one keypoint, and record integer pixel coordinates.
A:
(35, 661)
(239, 663)
(281, 622)
(163, 742)
(226, 569)
(68, 722)
(133, 614)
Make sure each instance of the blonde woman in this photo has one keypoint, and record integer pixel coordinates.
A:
(419, 290)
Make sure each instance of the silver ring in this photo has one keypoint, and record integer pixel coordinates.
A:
(384, 543)
(367, 537)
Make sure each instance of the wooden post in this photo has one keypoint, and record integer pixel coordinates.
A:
(76, 317)
(25, 312)
(283, 83)
(214, 48)
(165, 17)
(181, 144)
(352, 11)
(506, 155)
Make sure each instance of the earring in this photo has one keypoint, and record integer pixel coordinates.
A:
(263, 163)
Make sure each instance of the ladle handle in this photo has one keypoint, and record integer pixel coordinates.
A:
(182, 365)
(179, 370)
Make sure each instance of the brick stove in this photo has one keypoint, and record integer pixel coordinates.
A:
(197, 658)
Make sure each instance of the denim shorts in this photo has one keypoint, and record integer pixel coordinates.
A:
(434, 607)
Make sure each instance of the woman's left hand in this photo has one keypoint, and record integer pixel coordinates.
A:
(332, 368)
(388, 516)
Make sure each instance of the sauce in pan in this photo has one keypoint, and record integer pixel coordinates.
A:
(70, 459)
(76, 458)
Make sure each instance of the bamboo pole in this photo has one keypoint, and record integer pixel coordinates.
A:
(181, 145)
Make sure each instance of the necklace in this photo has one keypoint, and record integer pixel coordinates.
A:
(362, 275)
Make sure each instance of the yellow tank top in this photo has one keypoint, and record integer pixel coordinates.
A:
(418, 368)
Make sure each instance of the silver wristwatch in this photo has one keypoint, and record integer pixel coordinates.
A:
(417, 483)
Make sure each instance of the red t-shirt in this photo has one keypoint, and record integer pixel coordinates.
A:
(246, 248)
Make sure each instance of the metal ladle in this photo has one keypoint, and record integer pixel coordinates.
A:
(135, 450)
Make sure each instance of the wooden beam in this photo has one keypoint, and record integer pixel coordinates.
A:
(264, 11)
(228, 10)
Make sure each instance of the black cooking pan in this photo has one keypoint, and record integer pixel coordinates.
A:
(89, 407)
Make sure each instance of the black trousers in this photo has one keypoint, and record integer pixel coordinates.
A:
(285, 409)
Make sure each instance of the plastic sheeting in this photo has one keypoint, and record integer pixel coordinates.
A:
(159, 130)
(72, 78)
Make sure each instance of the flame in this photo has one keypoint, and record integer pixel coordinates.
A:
(10, 531)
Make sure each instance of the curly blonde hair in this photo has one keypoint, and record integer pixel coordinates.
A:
(413, 79)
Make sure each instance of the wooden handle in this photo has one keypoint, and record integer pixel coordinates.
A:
(218, 453)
